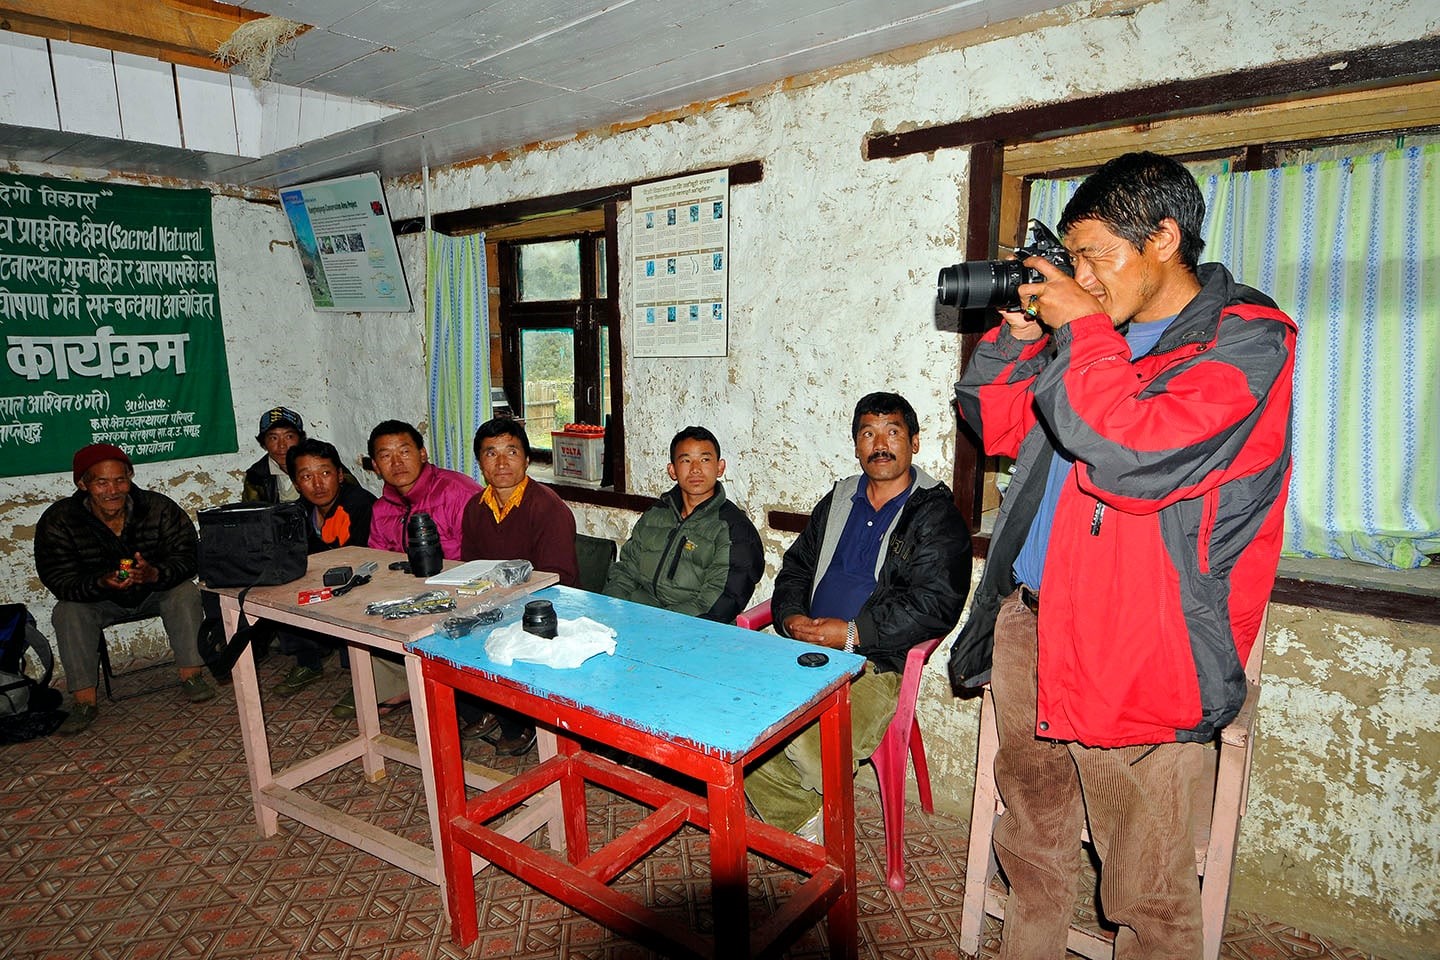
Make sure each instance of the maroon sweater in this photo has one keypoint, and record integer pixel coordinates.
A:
(540, 529)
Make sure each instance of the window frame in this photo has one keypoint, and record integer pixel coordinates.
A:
(594, 319)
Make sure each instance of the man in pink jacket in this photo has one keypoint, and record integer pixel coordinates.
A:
(412, 485)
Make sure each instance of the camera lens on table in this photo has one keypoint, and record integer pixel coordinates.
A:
(422, 545)
(539, 619)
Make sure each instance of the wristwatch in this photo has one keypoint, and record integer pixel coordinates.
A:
(850, 637)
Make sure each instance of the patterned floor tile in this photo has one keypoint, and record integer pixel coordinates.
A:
(137, 839)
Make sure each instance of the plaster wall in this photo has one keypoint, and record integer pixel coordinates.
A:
(832, 296)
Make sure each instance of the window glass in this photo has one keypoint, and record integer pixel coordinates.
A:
(547, 365)
(549, 271)
(600, 268)
(604, 374)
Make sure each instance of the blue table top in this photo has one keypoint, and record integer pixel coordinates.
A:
(715, 685)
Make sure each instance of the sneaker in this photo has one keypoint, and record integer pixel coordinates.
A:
(344, 708)
(297, 680)
(197, 689)
(812, 829)
(80, 717)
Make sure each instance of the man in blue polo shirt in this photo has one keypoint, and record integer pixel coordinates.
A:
(883, 565)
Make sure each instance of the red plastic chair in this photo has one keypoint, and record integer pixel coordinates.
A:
(902, 741)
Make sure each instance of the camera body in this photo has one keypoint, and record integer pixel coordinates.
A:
(977, 284)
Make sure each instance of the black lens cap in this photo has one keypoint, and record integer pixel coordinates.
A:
(812, 659)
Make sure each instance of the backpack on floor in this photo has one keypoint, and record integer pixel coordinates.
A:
(28, 708)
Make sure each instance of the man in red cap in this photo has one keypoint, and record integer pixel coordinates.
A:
(112, 553)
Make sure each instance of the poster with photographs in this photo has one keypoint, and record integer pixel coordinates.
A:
(346, 245)
(680, 266)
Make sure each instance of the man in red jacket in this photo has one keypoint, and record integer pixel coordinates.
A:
(1147, 403)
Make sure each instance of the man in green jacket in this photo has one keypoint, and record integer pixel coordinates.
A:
(693, 552)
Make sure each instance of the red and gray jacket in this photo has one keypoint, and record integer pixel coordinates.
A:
(1166, 535)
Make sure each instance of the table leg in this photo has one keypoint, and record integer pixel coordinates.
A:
(448, 740)
(547, 743)
(445, 791)
(729, 872)
(252, 722)
(367, 714)
(836, 753)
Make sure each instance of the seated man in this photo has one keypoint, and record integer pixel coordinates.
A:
(112, 553)
(412, 485)
(693, 552)
(268, 480)
(339, 515)
(884, 564)
(513, 519)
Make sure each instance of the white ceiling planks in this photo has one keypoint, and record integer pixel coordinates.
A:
(146, 89)
(85, 89)
(28, 99)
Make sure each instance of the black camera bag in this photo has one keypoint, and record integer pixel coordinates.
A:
(252, 544)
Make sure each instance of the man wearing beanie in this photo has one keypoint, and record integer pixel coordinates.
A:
(112, 553)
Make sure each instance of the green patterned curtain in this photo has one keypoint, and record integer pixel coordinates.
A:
(458, 347)
(1351, 249)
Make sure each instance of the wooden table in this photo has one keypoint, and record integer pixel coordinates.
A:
(699, 698)
(279, 792)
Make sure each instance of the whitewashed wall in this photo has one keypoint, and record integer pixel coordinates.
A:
(833, 262)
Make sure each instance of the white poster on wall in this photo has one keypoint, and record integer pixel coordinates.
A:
(680, 266)
(346, 246)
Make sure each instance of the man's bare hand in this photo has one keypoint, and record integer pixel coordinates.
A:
(822, 631)
(1055, 302)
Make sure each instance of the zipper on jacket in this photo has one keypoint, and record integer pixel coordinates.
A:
(675, 564)
(1098, 516)
(659, 567)
(1209, 507)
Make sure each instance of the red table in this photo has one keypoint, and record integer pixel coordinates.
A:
(700, 698)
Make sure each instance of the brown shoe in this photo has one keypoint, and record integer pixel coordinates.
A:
(197, 689)
(480, 726)
(518, 745)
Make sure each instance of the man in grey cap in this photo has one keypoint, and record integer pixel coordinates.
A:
(267, 480)
(112, 553)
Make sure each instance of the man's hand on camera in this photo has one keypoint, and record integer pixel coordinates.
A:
(1058, 300)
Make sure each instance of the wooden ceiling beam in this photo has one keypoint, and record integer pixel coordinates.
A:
(177, 31)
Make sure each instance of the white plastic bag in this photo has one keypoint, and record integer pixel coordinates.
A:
(575, 642)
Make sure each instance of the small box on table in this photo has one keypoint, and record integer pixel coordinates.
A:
(580, 456)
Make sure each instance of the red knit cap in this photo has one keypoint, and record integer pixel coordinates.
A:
(87, 457)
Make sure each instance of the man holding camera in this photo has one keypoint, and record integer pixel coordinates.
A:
(1134, 552)
(113, 553)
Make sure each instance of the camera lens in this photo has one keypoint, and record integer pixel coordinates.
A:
(980, 283)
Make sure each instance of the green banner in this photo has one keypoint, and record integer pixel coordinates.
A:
(110, 310)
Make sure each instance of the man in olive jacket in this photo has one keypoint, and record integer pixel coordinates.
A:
(112, 553)
(694, 552)
(883, 565)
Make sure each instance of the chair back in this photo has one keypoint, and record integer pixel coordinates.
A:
(594, 555)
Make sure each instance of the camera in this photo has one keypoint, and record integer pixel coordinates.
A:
(976, 284)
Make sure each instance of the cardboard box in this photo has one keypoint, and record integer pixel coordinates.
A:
(579, 457)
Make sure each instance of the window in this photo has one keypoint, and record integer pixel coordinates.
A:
(559, 324)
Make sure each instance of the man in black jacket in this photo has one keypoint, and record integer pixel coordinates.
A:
(883, 565)
(112, 553)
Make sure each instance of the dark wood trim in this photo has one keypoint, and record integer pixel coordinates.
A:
(787, 522)
(1367, 601)
(615, 426)
(601, 498)
(1409, 62)
(479, 218)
